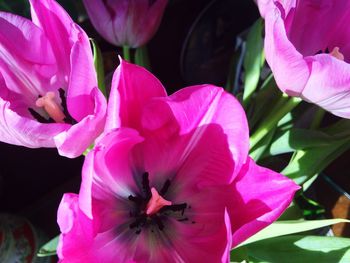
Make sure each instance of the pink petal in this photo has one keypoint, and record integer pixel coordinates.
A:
(82, 79)
(190, 111)
(57, 25)
(28, 67)
(332, 93)
(74, 141)
(77, 232)
(259, 197)
(209, 237)
(19, 130)
(108, 165)
(282, 56)
(132, 88)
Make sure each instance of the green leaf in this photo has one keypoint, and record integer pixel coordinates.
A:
(297, 248)
(306, 163)
(281, 228)
(253, 60)
(297, 139)
(293, 212)
(49, 249)
(263, 101)
(239, 254)
(262, 145)
(98, 63)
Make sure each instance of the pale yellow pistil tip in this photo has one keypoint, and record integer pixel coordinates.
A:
(52, 108)
(156, 202)
(337, 54)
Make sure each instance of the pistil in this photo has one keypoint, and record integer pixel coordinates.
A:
(156, 202)
(337, 54)
(52, 108)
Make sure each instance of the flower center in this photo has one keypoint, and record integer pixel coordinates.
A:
(156, 202)
(56, 112)
(151, 208)
(52, 108)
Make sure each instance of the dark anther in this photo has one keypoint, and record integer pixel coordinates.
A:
(145, 186)
(140, 221)
(183, 219)
(138, 232)
(68, 119)
(319, 52)
(159, 222)
(165, 187)
(40, 118)
(327, 51)
(175, 208)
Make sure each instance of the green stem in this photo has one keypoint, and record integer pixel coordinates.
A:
(286, 104)
(126, 53)
(316, 122)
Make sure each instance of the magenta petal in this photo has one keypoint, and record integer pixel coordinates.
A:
(111, 154)
(207, 235)
(72, 142)
(76, 232)
(132, 88)
(259, 197)
(82, 79)
(191, 109)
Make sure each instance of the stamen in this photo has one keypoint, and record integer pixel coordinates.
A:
(145, 186)
(51, 107)
(337, 54)
(156, 202)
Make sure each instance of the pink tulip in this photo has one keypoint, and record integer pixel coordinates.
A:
(170, 181)
(126, 22)
(48, 87)
(307, 47)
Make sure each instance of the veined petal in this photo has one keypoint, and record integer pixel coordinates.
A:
(19, 130)
(108, 168)
(259, 197)
(332, 93)
(57, 25)
(132, 88)
(29, 66)
(190, 111)
(72, 143)
(207, 232)
(282, 56)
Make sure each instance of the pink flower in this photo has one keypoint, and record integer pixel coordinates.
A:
(307, 48)
(48, 87)
(178, 186)
(126, 22)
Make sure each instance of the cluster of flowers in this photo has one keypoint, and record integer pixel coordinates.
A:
(168, 178)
